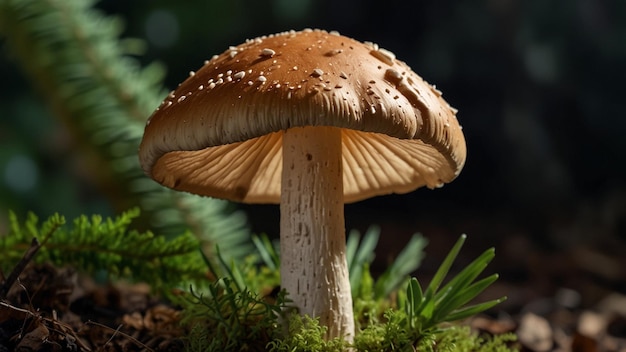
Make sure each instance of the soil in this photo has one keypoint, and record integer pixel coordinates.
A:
(56, 309)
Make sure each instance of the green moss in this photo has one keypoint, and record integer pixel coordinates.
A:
(392, 336)
(306, 335)
(389, 335)
(460, 338)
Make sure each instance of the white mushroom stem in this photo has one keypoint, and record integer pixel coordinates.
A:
(314, 270)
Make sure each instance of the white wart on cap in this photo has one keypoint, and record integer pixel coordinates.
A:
(219, 133)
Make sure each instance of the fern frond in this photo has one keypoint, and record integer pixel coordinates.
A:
(95, 244)
(73, 55)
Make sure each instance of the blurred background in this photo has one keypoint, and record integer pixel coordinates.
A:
(539, 86)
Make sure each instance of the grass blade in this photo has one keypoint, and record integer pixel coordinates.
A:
(463, 297)
(408, 260)
(360, 254)
(467, 275)
(473, 309)
(446, 265)
(266, 250)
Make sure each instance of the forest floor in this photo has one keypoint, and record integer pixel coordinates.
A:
(569, 301)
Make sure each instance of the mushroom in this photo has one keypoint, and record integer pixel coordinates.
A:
(311, 120)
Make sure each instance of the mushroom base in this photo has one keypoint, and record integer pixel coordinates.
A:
(314, 270)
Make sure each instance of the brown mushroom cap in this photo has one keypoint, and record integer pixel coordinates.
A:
(219, 133)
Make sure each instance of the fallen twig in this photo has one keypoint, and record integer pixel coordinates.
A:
(117, 331)
(60, 326)
(19, 267)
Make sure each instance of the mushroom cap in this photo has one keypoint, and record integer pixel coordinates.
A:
(219, 133)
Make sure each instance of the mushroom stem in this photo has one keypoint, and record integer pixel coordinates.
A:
(314, 269)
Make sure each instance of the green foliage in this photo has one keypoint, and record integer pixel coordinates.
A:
(88, 76)
(259, 274)
(417, 315)
(371, 296)
(227, 318)
(390, 335)
(426, 309)
(360, 254)
(267, 252)
(393, 336)
(241, 308)
(407, 261)
(234, 315)
(461, 339)
(305, 334)
(95, 245)
(228, 315)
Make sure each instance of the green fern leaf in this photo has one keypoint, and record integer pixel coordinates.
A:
(96, 244)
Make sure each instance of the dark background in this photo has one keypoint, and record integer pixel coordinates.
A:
(539, 86)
